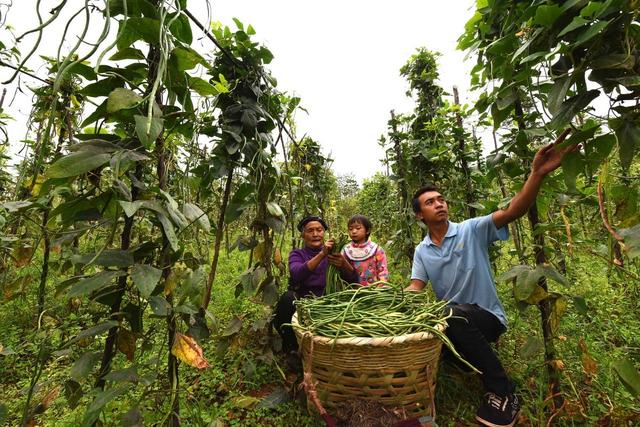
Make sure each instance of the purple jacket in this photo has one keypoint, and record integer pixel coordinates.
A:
(304, 281)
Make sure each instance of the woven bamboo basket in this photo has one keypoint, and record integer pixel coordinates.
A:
(395, 371)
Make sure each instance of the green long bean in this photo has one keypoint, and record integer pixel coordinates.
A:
(374, 312)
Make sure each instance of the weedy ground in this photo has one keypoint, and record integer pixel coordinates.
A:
(247, 383)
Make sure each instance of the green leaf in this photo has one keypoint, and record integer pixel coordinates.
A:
(631, 240)
(581, 135)
(106, 258)
(16, 206)
(134, 8)
(572, 165)
(94, 330)
(591, 9)
(133, 418)
(130, 208)
(159, 305)
(148, 130)
(72, 392)
(129, 374)
(551, 273)
(276, 398)
(169, 231)
(84, 365)
(99, 113)
(513, 272)
(93, 283)
(506, 98)
(571, 107)
(102, 87)
(127, 53)
(194, 213)
(145, 277)
(101, 399)
(581, 305)
(239, 202)
(146, 29)
(499, 115)
(558, 93)
(82, 70)
(547, 15)
(591, 32)
(599, 148)
(121, 98)
(614, 61)
(202, 87)
(628, 135)
(576, 23)
(234, 326)
(181, 29)
(75, 164)
(533, 56)
(527, 289)
(532, 347)
(187, 58)
(630, 82)
(528, 43)
(628, 374)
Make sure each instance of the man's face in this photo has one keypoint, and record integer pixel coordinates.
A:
(313, 234)
(433, 208)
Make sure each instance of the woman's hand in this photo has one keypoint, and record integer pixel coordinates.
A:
(339, 261)
(328, 246)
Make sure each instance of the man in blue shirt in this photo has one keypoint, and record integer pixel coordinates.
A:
(455, 259)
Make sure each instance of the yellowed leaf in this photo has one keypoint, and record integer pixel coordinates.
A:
(258, 251)
(245, 402)
(187, 349)
(582, 345)
(35, 191)
(50, 397)
(171, 282)
(589, 365)
(22, 255)
(277, 257)
(127, 343)
(557, 364)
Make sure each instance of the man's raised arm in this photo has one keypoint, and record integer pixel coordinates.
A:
(546, 160)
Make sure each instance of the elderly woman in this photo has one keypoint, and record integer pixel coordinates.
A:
(308, 274)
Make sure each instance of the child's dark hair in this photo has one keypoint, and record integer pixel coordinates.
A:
(362, 220)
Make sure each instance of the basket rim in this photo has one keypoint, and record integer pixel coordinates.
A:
(365, 341)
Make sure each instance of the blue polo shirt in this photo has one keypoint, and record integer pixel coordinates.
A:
(459, 270)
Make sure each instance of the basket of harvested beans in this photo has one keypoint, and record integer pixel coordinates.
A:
(373, 343)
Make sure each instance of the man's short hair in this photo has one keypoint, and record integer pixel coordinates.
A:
(415, 203)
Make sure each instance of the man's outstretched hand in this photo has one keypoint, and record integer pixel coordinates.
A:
(548, 158)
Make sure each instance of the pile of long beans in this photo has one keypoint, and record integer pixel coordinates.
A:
(335, 283)
(373, 311)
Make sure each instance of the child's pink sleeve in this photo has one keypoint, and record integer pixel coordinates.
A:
(383, 272)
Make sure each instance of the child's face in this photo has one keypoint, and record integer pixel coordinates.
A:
(357, 232)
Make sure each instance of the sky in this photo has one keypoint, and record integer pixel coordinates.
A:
(342, 58)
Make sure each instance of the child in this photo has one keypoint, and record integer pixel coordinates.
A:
(367, 258)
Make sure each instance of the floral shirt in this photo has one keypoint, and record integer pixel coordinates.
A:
(369, 260)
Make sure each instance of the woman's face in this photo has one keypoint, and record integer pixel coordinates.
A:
(313, 234)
